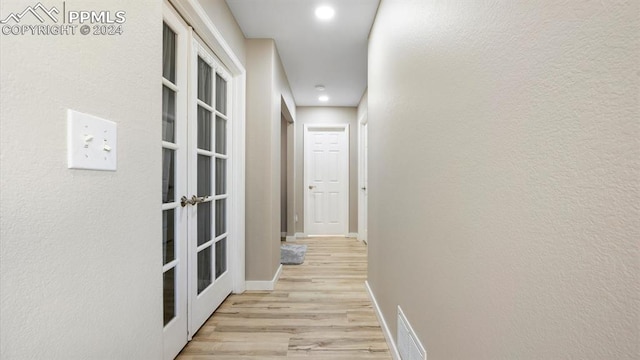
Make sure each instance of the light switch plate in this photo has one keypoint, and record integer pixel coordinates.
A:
(91, 142)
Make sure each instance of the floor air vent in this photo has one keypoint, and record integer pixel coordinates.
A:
(409, 346)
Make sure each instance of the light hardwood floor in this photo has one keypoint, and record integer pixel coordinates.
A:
(319, 310)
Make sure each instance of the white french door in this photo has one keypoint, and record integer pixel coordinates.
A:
(196, 111)
(210, 280)
(326, 179)
(174, 183)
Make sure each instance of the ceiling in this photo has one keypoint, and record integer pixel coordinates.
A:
(332, 52)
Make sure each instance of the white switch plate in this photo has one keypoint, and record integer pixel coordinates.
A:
(91, 142)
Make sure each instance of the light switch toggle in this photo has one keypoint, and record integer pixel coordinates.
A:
(84, 149)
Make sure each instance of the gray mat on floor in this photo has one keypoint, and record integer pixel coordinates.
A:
(292, 254)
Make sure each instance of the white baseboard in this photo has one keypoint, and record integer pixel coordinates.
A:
(305, 235)
(266, 284)
(393, 349)
(291, 238)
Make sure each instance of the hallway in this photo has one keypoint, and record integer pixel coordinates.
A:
(318, 310)
(147, 178)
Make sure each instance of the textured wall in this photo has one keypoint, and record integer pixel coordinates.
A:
(221, 16)
(504, 176)
(80, 251)
(327, 115)
(267, 85)
(260, 162)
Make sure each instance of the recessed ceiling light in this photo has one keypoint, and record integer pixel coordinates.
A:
(320, 87)
(325, 12)
(323, 98)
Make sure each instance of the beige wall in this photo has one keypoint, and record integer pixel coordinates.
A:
(267, 85)
(327, 115)
(504, 176)
(224, 21)
(80, 251)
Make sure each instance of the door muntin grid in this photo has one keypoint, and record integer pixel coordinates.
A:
(212, 172)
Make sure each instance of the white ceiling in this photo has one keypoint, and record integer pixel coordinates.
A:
(332, 53)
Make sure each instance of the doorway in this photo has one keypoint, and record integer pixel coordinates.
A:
(287, 176)
(326, 179)
(363, 193)
(284, 182)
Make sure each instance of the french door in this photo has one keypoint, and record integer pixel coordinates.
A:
(175, 220)
(195, 160)
(210, 282)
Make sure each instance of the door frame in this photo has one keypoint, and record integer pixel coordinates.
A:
(196, 17)
(345, 201)
(291, 169)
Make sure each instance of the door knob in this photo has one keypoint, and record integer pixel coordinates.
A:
(194, 200)
(364, 188)
(198, 199)
(184, 201)
(311, 187)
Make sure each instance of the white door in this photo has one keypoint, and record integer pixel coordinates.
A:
(210, 280)
(174, 182)
(326, 179)
(195, 116)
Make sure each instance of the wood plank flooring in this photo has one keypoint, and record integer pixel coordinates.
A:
(319, 310)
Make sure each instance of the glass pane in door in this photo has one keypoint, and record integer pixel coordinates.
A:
(168, 114)
(204, 81)
(221, 94)
(204, 128)
(221, 257)
(221, 217)
(221, 176)
(221, 135)
(168, 178)
(204, 222)
(169, 295)
(168, 54)
(204, 269)
(168, 234)
(204, 175)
